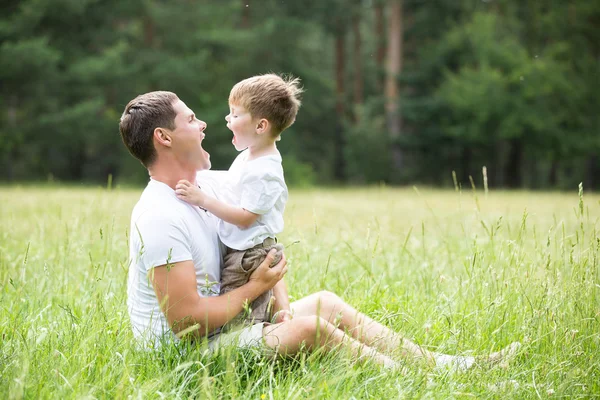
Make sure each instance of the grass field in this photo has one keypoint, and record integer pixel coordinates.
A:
(457, 272)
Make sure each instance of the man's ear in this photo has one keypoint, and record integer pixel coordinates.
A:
(162, 136)
(262, 126)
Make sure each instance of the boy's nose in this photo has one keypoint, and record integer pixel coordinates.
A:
(227, 118)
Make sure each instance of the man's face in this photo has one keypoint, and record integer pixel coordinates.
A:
(187, 138)
(240, 122)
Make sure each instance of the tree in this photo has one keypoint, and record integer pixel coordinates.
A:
(392, 90)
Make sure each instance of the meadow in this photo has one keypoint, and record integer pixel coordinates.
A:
(458, 271)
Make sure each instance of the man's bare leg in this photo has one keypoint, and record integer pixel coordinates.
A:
(362, 328)
(289, 337)
(333, 309)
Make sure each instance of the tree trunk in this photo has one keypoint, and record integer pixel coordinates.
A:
(592, 171)
(380, 40)
(12, 125)
(465, 167)
(148, 26)
(515, 162)
(245, 23)
(357, 61)
(339, 167)
(149, 43)
(553, 173)
(392, 91)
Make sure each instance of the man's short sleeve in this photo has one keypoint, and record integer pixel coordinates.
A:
(260, 192)
(160, 240)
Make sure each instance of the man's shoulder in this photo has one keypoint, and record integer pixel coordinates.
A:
(155, 206)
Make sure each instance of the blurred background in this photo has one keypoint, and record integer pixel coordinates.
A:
(397, 91)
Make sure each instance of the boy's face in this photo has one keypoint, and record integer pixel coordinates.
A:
(243, 126)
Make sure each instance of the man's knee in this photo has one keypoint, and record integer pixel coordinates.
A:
(328, 299)
(309, 327)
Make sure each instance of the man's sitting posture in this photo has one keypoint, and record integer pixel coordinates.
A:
(175, 256)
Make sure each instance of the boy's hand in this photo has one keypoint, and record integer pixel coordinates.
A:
(190, 193)
(282, 316)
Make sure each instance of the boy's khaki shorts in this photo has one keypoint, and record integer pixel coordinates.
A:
(238, 265)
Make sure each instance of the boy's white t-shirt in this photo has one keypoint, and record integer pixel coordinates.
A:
(166, 230)
(257, 186)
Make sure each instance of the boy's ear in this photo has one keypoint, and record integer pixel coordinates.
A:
(262, 126)
(162, 136)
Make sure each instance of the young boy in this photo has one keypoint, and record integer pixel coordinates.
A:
(261, 108)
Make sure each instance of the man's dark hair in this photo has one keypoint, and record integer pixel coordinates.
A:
(141, 117)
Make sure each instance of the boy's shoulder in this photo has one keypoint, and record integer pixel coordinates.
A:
(240, 160)
(268, 163)
(268, 168)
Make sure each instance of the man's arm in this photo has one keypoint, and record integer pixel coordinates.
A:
(175, 288)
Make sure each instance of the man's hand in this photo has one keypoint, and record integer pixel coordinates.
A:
(190, 193)
(177, 293)
(266, 277)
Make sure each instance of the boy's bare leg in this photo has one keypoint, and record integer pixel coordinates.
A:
(289, 337)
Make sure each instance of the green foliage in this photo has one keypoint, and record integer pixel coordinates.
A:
(454, 272)
(503, 82)
(367, 153)
(298, 174)
(481, 83)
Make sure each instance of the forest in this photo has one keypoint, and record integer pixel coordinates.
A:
(397, 92)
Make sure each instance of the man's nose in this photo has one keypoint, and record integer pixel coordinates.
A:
(202, 126)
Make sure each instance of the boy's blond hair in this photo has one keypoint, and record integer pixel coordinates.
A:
(270, 96)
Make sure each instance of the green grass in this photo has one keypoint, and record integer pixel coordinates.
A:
(456, 272)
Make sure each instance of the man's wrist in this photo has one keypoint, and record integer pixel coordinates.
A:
(255, 288)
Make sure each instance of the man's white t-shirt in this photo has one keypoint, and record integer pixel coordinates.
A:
(257, 186)
(166, 230)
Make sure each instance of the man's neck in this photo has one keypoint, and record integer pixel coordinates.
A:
(171, 174)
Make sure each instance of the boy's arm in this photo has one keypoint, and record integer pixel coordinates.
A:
(234, 215)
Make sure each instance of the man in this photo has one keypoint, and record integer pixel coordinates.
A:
(175, 255)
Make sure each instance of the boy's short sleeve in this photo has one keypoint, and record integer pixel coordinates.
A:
(260, 192)
(161, 239)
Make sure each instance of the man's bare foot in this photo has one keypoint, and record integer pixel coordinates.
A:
(501, 357)
(394, 366)
(464, 363)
